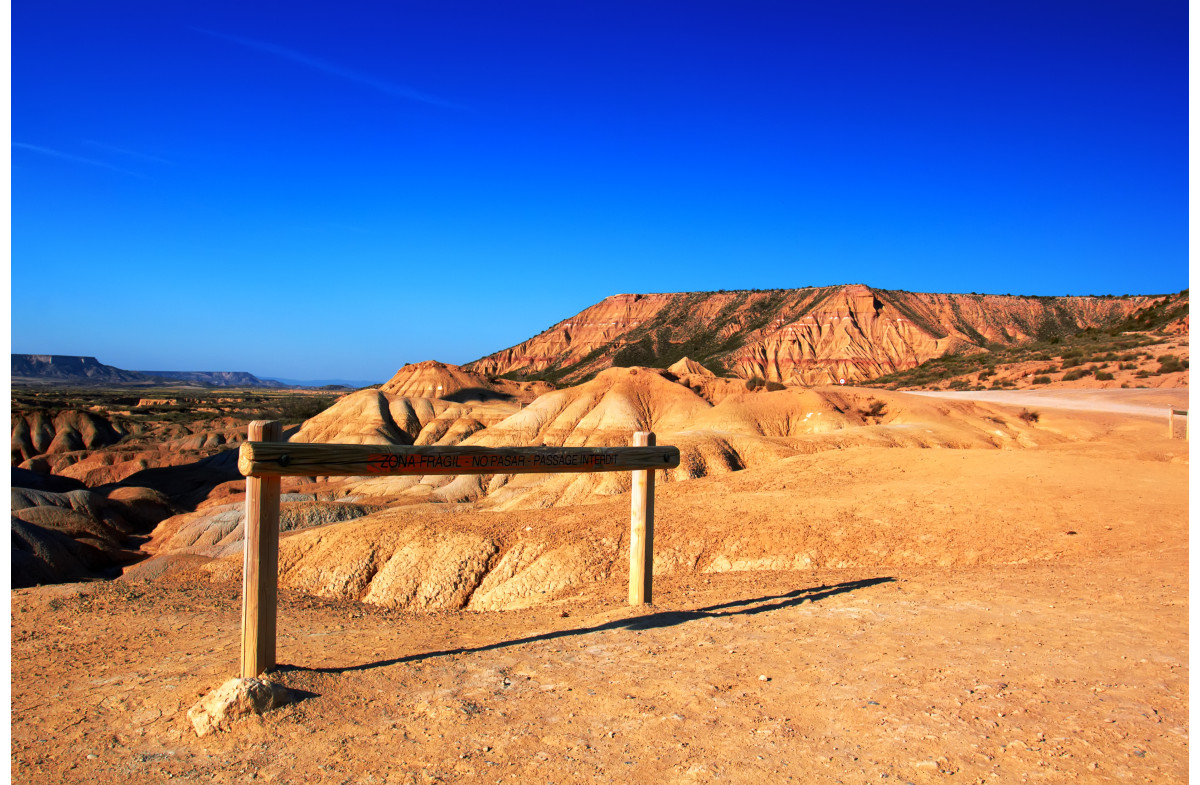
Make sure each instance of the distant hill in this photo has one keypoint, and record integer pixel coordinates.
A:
(215, 378)
(810, 336)
(66, 370)
(326, 384)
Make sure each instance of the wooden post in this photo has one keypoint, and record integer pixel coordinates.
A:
(1170, 422)
(641, 530)
(261, 565)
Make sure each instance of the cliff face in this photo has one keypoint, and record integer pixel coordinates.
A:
(797, 336)
(598, 327)
(70, 368)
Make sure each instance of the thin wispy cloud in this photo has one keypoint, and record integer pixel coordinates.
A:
(79, 159)
(382, 85)
(128, 153)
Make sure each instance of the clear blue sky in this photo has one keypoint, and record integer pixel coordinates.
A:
(333, 190)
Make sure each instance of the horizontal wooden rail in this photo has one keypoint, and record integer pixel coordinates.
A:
(261, 459)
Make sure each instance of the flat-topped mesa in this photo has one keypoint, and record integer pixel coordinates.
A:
(815, 335)
(62, 367)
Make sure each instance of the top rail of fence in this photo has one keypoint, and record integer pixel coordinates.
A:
(259, 459)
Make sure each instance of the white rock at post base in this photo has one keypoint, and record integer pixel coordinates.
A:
(235, 699)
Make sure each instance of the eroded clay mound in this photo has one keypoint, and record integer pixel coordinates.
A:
(744, 429)
(747, 430)
(43, 433)
(219, 529)
(432, 379)
(370, 417)
(379, 417)
(870, 506)
(398, 560)
(63, 536)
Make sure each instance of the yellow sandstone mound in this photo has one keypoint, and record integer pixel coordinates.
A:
(432, 379)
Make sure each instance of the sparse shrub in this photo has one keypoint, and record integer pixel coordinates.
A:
(875, 409)
(1029, 416)
(775, 386)
(1041, 380)
(1072, 362)
(1078, 373)
(1104, 376)
(1142, 374)
(1169, 363)
(983, 375)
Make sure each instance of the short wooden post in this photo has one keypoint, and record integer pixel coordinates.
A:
(261, 565)
(1170, 422)
(641, 530)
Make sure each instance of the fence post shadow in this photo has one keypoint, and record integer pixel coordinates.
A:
(657, 620)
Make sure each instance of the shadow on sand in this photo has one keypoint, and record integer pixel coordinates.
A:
(650, 621)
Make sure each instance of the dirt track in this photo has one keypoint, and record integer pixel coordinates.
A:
(1147, 403)
(1048, 672)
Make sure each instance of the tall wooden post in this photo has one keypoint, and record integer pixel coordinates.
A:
(1170, 422)
(261, 566)
(641, 530)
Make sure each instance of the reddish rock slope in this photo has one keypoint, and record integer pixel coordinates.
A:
(801, 336)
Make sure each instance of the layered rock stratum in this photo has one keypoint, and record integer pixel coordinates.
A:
(807, 336)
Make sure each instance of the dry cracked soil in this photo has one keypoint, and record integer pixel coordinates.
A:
(963, 640)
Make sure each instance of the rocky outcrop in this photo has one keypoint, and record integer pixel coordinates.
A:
(797, 336)
(596, 328)
(235, 700)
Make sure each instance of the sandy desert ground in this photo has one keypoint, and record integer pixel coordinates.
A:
(959, 615)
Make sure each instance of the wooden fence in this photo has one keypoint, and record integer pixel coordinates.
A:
(1187, 423)
(265, 457)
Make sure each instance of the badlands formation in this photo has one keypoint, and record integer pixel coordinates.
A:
(806, 336)
(851, 584)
